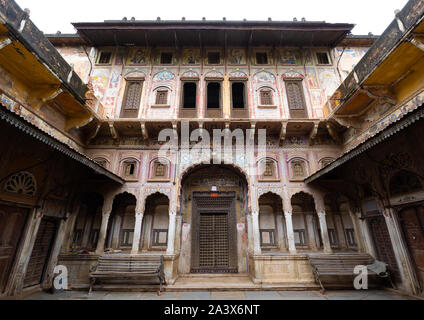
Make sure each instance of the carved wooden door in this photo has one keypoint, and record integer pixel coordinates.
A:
(412, 222)
(214, 246)
(214, 240)
(40, 253)
(383, 244)
(12, 223)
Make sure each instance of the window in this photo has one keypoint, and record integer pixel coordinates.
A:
(325, 162)
(104, 57)
(295, 98)
(189, 95)
(159, 169)
(129, 169)
(332, 237)
(266, 98)
(161, 97)
(350, 235)
(214, 57)
(322, 58)
(269, 169)
(166, 58)
(159, 237)
(300, 237)
(127, 237)
(261, 58)
(238, 96)
(214, 95)
(101, 162)
(298, 169)
(268, 237)
(132, 97)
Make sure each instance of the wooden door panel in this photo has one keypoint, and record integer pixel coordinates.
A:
(12, 223)
(40, 253)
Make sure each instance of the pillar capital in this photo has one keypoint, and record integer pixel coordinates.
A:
(288, 213)
(322, 214)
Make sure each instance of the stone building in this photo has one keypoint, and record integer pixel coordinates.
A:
(82, 171)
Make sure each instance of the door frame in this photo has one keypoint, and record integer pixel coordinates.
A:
(203, 203)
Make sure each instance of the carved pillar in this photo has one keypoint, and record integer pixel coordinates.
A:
(310, 227)
(338, 224)
(324, 232)
(256, 236)
(280, 229)
(102, 233)
(290, 233)
(137, 233)
(171, 232)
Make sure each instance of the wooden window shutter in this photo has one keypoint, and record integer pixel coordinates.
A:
(296, 99)
(266, 98)
(161, 97)
(132, 97)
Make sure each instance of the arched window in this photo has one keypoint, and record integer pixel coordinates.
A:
(101, 161)
(129, 169)
(266, 97)
(298, 169)
(22, 183)
(162, 97)
(268, 169)
(159, 170)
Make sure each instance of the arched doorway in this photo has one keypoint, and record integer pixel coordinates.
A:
(156, 223)
(307, 235)
(121, 223)
(214, 211)
(271, 223)
(88, 222)
(406, 184)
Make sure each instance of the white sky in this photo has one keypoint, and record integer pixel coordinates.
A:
(368, 15)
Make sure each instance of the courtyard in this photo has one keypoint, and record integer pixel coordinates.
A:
(225, 295)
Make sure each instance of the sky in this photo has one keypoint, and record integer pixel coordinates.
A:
(369, 15)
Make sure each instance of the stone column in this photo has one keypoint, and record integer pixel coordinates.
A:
(290, 233)
(171, 232)
(137, 233)
(102, 233)
(280, 229)
(357, 231)
(324, 232)
(311, 232)
(256, 236)
(338, 224)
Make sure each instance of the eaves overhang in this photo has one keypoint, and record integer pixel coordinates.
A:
(409, 18)
(21, 28)
(370, 143)
(55, 144)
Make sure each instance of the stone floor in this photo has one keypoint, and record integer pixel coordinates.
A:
(225, 295)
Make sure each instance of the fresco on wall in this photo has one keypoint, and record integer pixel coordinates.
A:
(119, 60)
(99, 80)
(164, 76)
(308, 58)
(329, 81)
(237, 56)
(190, 74)
(316, 97)
(191, 56)
(138, 56)
(311, 77)
(290, 57)
(264, 76)
(238, 74)
(292, 74)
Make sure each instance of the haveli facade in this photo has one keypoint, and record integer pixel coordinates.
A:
(82, 174)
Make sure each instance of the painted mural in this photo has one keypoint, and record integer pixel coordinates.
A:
(138, 56)
(329, 81)
(191, 56)
(290, 57)
(237, 56)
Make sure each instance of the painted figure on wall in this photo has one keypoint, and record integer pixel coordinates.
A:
(139, 57)
(290, 57)
(191, 56)
(237, 56)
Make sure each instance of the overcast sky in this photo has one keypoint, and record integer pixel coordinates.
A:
(368, 15)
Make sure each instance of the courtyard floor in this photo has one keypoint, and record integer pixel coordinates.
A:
(224, 295)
